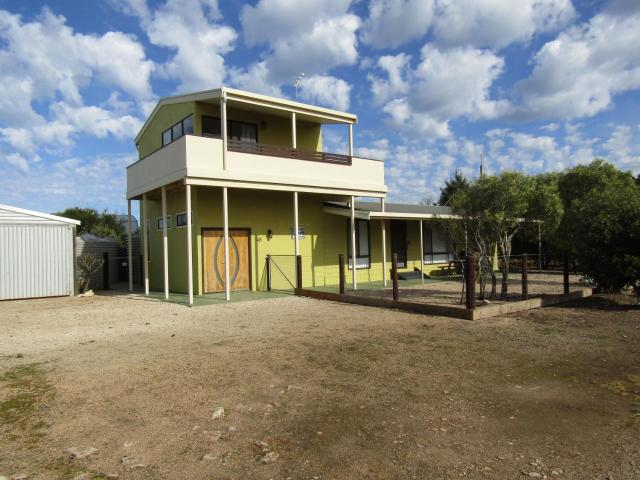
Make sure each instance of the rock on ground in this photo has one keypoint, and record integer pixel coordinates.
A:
(80, 452)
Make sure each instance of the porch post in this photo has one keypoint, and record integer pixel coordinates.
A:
(145, 246)
(384, 246)
(165, 242)
(293, 131)
(351, 139)
(189, 246)
(223, 127)
(296, 242)
(353, 243)
(225, 209)
(130, 253)
(539, 247)
(421, 254)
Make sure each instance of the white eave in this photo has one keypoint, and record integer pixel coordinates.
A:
(46, 216)
(368, 215)
(303, 110)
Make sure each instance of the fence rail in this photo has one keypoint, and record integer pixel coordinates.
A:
(276, 151)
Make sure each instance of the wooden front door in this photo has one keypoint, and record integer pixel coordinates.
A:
(399, 241)
(213, 259)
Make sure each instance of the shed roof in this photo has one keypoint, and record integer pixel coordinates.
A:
(9, 214)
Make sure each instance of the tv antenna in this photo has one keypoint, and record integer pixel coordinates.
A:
(297, 82)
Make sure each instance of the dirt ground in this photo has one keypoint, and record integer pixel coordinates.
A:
(449, 292)
(317, 390)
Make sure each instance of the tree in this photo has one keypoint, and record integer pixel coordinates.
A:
(601, 224)
(451, 186)
(99, 224)
(87, 265)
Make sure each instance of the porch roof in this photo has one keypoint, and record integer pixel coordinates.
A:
(400, 211)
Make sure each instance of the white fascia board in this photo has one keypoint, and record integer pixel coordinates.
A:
(33, 213)
(412, 216)
(346, 212)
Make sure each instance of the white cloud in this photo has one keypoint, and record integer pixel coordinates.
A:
(190, 29)
(18, 161)
(446, 84)
(97, 121)
(326, 90)
(392, 23)
(45, 58)
(254, 79)
(305, 36)
(579, 73)
(498, 23)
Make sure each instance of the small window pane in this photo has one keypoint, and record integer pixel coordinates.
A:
(181, 220)
(211, 127)
(187, 125)
(363, 238)
(160, 226)
(166, 137)
(177, 131)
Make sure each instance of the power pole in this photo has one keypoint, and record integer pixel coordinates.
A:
(481, 162)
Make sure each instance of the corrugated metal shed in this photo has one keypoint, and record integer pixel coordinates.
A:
(36, 254)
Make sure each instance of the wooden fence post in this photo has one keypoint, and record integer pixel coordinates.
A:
(299, 271)
(471, 282)
(341, 267)
(268, 266)
(525, 278)
(105, 270)
(565, 271)
(394, 275)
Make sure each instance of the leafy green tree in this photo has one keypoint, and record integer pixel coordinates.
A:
(451, 186)
(100, 224)
(601, 223)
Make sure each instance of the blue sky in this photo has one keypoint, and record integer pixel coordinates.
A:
(531, 85)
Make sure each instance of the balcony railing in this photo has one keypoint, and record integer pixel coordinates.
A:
(275, 151)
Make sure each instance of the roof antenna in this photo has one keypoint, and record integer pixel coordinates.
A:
(481, 162)
(297, 82)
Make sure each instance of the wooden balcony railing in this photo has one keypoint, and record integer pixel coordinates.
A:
(275, 151)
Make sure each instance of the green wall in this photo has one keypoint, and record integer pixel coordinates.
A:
(326, 235)
(167, 116)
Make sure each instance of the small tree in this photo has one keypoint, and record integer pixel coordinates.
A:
(102, 224)
(87, 265)
(456, 184)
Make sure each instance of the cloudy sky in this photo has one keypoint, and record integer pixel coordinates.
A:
(532, 85)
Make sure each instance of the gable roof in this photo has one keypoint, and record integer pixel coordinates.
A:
(21, 213)
(305, 110)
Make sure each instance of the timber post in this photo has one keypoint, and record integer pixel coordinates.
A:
(299, 271)
(525, 278)
(268, 266)
(565, 272)
(105, 270)
(471, 282)
(394, 276)
(341, 269)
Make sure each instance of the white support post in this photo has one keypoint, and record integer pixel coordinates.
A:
(189, 246)
(294, 142)
(165, 243)
(145, 246)
(353, 243)
(351, 139)
(384, 246)
(225, 210)
(129, 242)
(421, 253)
(296, 224)
(223, 127)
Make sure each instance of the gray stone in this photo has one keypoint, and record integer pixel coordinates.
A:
(209, 457)
(218, 413)
(131, 462)
(80, 452)
(270, 457)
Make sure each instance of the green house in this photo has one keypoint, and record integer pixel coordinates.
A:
(230, 181)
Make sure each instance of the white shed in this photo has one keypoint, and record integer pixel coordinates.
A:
(36, 254)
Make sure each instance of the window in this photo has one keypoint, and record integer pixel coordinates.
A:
(183, 127)
(159, 222)
(239, 131)
(437, 247)
(181, 219)
(363, 255)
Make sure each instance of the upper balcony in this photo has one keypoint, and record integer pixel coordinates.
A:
(271, 143)
(255, 165)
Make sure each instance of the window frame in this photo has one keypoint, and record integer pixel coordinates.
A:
(169, 223)
(179, 214)
(427, 248)
(170, 131)
(358, 256)
(229, 122)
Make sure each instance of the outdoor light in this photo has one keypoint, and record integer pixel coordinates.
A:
(269, 234)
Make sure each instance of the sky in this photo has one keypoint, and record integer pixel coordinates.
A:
(527, 85)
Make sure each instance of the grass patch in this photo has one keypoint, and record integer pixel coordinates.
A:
(26, 390)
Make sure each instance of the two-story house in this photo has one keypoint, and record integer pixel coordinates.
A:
(226, 178)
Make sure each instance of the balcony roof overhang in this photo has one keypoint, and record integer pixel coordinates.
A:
(256, 102)
(393, 211)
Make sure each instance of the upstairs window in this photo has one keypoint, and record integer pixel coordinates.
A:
(183, 127)
(363, 255)
(238, 131)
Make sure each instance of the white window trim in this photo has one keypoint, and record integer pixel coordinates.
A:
(169, 224)
(183, 213)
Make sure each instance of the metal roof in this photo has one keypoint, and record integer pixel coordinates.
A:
(45, 216)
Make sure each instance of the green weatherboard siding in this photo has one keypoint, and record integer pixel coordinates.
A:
(326, 235)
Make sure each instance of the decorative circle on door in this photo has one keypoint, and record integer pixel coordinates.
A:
(233, 272)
